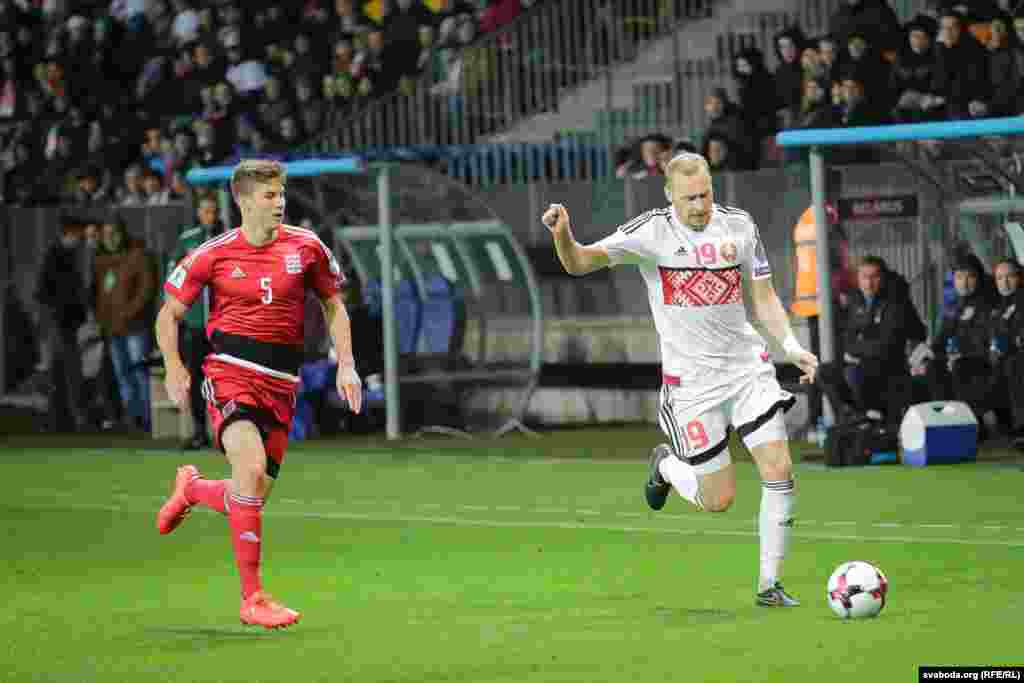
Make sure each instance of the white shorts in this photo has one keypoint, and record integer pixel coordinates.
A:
(700, 435)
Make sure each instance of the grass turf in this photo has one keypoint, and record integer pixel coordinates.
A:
(510, 560)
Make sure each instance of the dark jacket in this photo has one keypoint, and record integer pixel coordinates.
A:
(969, 326)
(758, 100)
(789, 77)
(912, 71)
(1006, 75)
(961, 74)
(59, 287)
(1007, 321)
(872, 18)
(880, 331)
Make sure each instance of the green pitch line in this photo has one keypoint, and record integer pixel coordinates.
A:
(495, 562)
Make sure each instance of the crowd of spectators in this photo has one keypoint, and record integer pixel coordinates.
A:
(956, 60)
(112, 102)
(976, 357)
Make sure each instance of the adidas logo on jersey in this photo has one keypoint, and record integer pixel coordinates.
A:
(682, 251)
(237, 273)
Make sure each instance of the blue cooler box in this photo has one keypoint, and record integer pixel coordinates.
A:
(938, 432)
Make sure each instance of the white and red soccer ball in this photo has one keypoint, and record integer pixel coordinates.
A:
(857, 590)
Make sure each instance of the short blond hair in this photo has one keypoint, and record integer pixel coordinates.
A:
(687, 164)
(252, 172)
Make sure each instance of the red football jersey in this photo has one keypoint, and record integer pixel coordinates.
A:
(257, 292)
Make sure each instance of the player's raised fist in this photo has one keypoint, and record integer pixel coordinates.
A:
(556, 217)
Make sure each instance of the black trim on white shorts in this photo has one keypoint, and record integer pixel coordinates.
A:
(750, 427)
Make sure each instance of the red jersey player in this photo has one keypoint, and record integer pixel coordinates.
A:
(258, 276)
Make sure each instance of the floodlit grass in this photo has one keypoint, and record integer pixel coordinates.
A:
(507, 560)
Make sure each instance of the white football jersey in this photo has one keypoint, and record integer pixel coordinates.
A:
(694, 283)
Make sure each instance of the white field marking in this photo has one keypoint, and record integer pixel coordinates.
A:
(704, 520)
(539, 524)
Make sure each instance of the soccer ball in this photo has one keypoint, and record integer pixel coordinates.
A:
(857, 590)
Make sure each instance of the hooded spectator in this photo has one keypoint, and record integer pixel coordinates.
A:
(788, 76)
(757, 97)
(874, 19)
(913, 72)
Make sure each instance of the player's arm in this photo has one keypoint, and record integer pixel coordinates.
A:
(775, 321)
(340, 328)
(576, 258)
(168, 321)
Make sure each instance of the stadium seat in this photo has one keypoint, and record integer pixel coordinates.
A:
(443, 319)
(408, 315)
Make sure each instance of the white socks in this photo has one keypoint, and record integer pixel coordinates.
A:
(775, 521)
(683, 478)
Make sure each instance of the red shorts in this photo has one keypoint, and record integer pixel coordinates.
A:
(230, 398)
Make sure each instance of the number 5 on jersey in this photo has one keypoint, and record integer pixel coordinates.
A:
(268, 291)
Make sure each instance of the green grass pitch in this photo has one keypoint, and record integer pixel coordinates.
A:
(506, 560)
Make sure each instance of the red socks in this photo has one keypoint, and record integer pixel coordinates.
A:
(208, 493)
(246, 519)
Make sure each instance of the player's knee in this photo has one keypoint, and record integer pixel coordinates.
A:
(779, 470)
(252, 473)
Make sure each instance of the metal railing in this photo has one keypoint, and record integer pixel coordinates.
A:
(520, 70)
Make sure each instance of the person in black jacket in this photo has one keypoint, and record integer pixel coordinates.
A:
(960, 368)
(1006, 349)
(61, 299)
(873, 373)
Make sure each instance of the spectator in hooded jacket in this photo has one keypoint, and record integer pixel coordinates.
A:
(125, 291)
(960, 367)
(757, 98)
(874, 19)
(910, 80)
(880, 324)
(789, 74)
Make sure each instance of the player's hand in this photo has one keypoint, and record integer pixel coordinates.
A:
(807, 362)
(556, 218)
(178, 382)
(351, 387)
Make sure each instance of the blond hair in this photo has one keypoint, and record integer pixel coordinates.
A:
(252, 172)
(687, 164)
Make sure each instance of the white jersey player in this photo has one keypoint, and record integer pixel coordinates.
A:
(696, 259)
